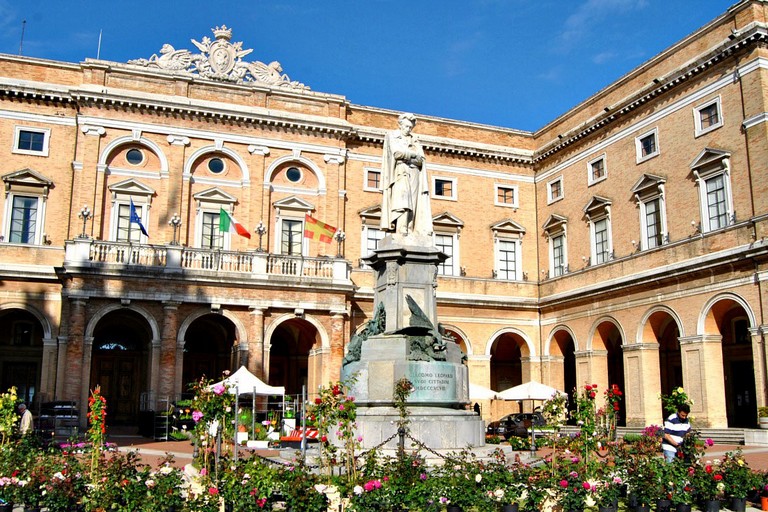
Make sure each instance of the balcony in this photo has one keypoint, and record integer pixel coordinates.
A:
(96, 254)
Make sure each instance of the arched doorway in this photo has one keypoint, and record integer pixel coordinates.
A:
(120, 363)
(667, 333)
(291, 343)
(208, 344)
(564, 374)
(729, 319)
(507, 352)
(608, 337)
(21, 353)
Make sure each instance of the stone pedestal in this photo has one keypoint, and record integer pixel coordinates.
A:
(410, 348)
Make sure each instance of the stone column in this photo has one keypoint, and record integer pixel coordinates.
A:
(530, 368)
(255, 362)
(553, 372)
(48, 369)
(166, 363)
(703, 378)
(61, 368)
(759, 362)
(154, 374)
(73, 362)
(337, 345)
(592, 368)
(85, 379)
(642, 382)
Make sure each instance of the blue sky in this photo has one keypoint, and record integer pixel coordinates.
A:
(511, 63)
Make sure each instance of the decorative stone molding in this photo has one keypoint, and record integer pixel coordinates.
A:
(220, 60)
(334, 159)
(178, 140)
(258, 150)
(96, 131)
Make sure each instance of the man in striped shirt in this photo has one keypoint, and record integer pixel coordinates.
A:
(675, 429)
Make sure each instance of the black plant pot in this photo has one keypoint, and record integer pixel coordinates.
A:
(454, 508)
(738, 504)
(6, 507)
(642, 508)
(683, 507)
(606, 509)
(663, 505)
(712, 506)
(632, 500)
(511, 507)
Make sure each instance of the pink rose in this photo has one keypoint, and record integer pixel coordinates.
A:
(197, 416)
(219, 389)
(586, 486)
(563, 483)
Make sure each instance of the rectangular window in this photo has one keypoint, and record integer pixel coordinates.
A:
(558, 255)
(23, 220)
(598, 170)
(555, 190)
(31, 141)
(647, 145)
(444, 188)
(707, 117)
(507, 260)
(126, 231)
(372, 179)
(653, 234)
(372, 238)
(445, 244)
(601, 241)
(212, 237)
(291, 237)
(716, 203)
(506, 196)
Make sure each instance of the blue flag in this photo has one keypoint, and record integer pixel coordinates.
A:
(135, 219)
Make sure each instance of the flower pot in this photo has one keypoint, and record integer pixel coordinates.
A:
(738, 504)
(763, 421)
(764, 502)
(642, 508)
(511, 507)
(663, 505)
(6, 507)
(632, 500)
(32, 509)
(606, 509)
(712, 506)
(683, 507)
(454, 508)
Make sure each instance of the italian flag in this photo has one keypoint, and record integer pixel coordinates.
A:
(228, 224)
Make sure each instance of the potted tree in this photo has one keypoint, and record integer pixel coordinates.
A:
(762, 417)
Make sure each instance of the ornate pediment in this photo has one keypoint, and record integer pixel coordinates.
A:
(648, 183)
(708, 159)
(26, 179)
(446, 219)
(131, 188)
(293, 203)
(554, 223)
(220, 60)
(508, 226)
(371, 215)
(214, 195)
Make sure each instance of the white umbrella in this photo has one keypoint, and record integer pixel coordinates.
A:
(477, 392)
(529, 391)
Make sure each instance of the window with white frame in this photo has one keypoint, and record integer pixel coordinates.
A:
(555, 229)
(444, 188)
(127, 231)
(371, 233)
(372, 180)
(291, 237)
(447, 229)
(649, 194)
(25, 201)
(647, 145)
(506, 195)
(507, 246)
(712, 172)
(708, 117)
(598, 215)
(555, 190)
(446, 243)
(596, 170)
(31, 141)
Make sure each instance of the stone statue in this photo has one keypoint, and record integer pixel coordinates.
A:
(425, 342)
(405, 207)
(373, 327)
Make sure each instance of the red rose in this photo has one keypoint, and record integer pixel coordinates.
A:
(318, 401)
(592, 394)
(324, 439)
(587, 387)
(718, 477)
(708, 468)
(213, 490)
(594, 386)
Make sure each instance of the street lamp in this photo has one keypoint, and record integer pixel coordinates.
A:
(261, 230)
(340, 236)
(85, 214)
(175, 222)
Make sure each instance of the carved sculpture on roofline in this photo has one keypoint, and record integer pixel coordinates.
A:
(220, 60)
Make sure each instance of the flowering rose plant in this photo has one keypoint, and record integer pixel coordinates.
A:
(66, 485)
(249, 484)
(738, 478)
(708, 480)
(681, 482)
(7, 415)
(573, 488)
(608, 489)
(212, 411)
(677, 397)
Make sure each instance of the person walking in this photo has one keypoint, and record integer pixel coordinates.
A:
(25, 423)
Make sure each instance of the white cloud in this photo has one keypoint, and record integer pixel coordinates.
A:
(582, 21)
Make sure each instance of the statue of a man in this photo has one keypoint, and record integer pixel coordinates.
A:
(405, 207)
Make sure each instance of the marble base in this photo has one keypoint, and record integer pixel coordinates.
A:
(437, 428)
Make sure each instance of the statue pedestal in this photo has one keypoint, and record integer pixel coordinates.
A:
(411, 348)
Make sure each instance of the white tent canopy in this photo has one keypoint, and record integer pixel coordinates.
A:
(529, 391)
(477, 392)
(247, 383)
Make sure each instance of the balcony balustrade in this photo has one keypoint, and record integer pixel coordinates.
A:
(86, 252)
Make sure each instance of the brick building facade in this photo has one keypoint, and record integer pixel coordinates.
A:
(624, 242)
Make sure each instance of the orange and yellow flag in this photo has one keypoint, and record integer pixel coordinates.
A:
(316, 230)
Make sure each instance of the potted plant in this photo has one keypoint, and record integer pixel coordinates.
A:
(710, 488)
(762, 417)
(739, 479)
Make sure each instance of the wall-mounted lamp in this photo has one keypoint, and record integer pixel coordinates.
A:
(85, 214)
(261, 230)
(340, 236)
(175, 223)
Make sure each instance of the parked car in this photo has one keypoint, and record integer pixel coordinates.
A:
(57, 419)
(516, 424)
